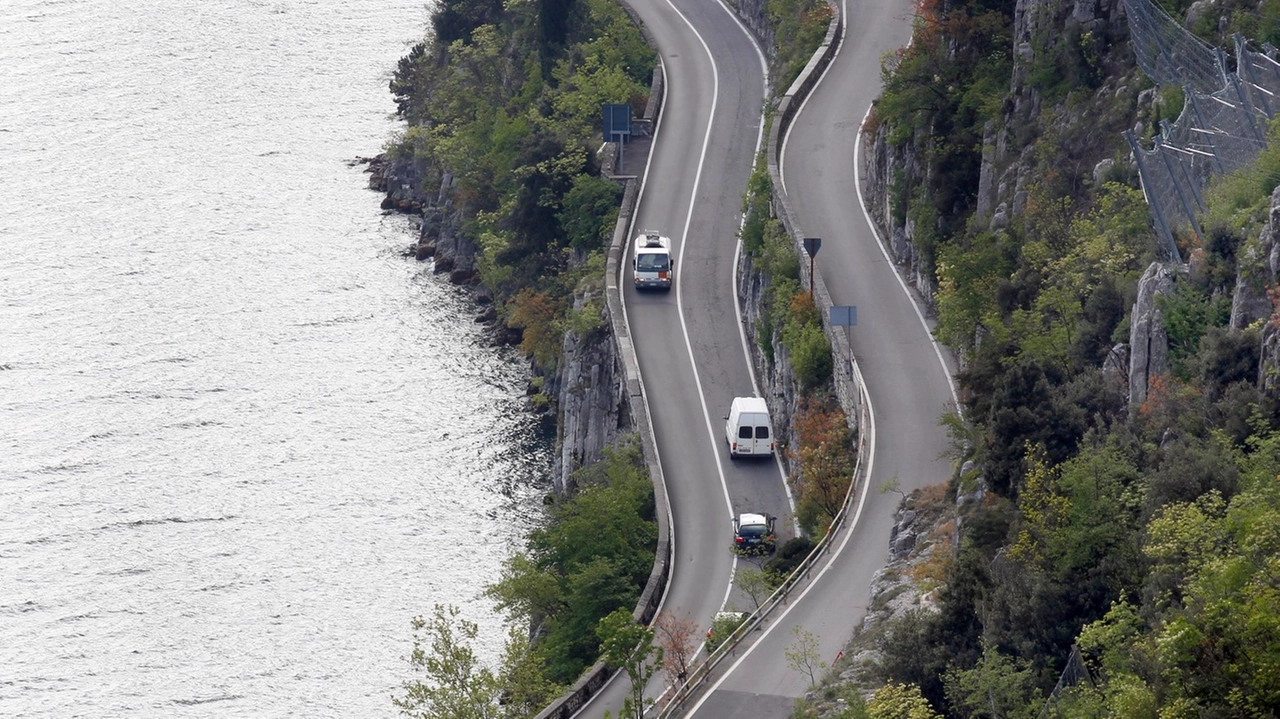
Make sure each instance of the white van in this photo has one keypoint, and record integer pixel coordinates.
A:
(747, 428)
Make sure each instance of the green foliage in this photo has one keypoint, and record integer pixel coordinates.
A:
(1259, 22)
(629, 646)
(755, 208)
(969, 277)
(997, 686)
(799, 28)
(722, 626)
(923, 215)
(1168, 105)
(810, 355)
(1065, 62)
(457, 685)
(589, 212)
(1211, 644)
(1188, 314)
(1241, 199)
(790, 555)
(1080, 513)
(525, 689)
(900, 701)
(757, 584)
(803, 654)
(593, 557)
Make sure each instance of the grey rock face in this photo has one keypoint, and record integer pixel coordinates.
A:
(1256, 267)
(1148, 341)
(1269, 367)
(589, 390)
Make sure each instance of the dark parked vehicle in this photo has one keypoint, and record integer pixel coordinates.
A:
(754, 534)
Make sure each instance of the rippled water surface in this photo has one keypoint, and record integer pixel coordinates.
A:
(243, 441)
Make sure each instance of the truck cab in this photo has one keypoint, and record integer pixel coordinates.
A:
(754, 533)
(653, 265)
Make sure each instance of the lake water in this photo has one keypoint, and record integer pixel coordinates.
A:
(243, 439)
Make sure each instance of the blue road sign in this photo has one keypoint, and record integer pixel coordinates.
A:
(617, 122)
(844, 316)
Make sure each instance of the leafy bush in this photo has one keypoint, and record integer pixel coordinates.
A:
(789, 556)
(593, 557)
(722, 626)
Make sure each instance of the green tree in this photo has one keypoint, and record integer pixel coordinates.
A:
(997, 687)
(900, 701)
(589, 211)
(630, 647)
(593, 556)
(525, 688)
(758, 584)
(804, 654)
(457, 685)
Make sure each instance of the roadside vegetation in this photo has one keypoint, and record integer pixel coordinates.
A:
(1133, 545)
(799, 27)
(505, 99)
(589, 562)
(790, 321)
(501, 103)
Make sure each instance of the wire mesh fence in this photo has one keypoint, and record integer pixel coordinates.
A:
(1223, 124)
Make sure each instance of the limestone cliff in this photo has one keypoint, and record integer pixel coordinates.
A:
(1084, 132)
(585, 389)
(589, 392)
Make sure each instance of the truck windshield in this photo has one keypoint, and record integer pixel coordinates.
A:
(652, 263)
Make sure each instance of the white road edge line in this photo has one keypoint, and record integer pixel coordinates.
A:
(737, 257)
(870, 407)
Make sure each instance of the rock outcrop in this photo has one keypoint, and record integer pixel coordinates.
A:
(586, 388)
(590, 392)
(1148, 341)
(1257, 264)
(1262, 265)
(1041, 28)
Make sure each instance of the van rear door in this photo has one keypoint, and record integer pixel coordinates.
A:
(762, 436)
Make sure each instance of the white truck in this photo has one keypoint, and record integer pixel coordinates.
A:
(653, 265)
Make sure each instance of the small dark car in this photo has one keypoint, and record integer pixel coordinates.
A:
(754, 534)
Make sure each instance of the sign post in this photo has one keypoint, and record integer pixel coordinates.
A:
(617, 127)
(811, 247)
(845, 316)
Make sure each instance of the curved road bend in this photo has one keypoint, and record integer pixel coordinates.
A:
(906, 378)
(688, 341)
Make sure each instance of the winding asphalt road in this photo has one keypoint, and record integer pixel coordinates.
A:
(906, 376)
(691, 349)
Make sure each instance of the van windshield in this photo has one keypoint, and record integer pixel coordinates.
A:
(652, 263)
(762, 433)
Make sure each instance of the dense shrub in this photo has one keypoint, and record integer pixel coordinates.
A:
(790, 555)
(593, 556)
